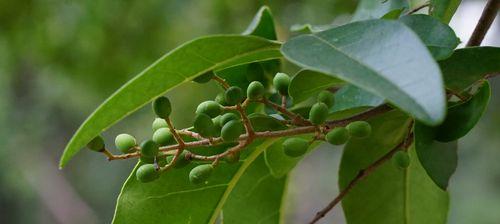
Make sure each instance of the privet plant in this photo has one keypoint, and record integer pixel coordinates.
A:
(389, 86)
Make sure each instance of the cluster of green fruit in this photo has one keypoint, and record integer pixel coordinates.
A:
(224, 117)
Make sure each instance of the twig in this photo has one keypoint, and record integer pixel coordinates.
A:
(418, 8)
(296, 119)
(221, 81)
(484, 23)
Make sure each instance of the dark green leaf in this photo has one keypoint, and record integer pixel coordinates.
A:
(438, 159)
(394, 14)
(382, 57)
(468, 65)
(262, 122)
(437, 36)
(463, 117)
(179, 66)
(444, 9)
(374, 9)
(389, 195)
(350, 96)
(262, 25)
(307, 83)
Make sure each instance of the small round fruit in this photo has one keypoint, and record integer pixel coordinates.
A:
(181, 162)
(149, 148)
(318, 113)
(200, 173)
(232, 130)
(327, 98)
(159, 123)
(163, 137)
(220, 99)
(233, 95)
(147, 159)
(359, 129)
(205, 77)
(147, 173)
(162, 107)
(295, 147)
(401, 159)
(96, 144)
(204, 125)
(210, 108)
(125, 142)
(255, 90)
(227, 118)
(337, 136)
(281, 82)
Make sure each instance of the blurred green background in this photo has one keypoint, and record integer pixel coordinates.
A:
(60, 59)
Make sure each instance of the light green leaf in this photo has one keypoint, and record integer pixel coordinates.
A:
(468, 65)
(307, 83)
(178, 66)
(438, 159)
(437, 36)
(382, 57)
(262, 24)
(173, 199)
(463, 117)
(349, 97)
(374, 9)
(389, 195)
(393, 14)
(444, 9)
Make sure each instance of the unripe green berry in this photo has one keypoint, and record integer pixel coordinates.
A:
(233, 95)
(295, 147)
(232, 130)
(210, 108)
(227, 118)
(181, 162)
(401, 159)
(318, 113)
(255, 90)
(147, 159)
(232, 157)
(206, 77)
(162, 107)
(163, 137)
(96, 144)
(337, 136)
(281, 81)
(327, 98)
(359, 129)
(204, 125)
(159, 123)
(220, 99)
(149, 148)
(200, 173)
(147, 173)
(125, 142)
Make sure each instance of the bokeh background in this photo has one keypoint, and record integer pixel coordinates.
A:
(60, 59)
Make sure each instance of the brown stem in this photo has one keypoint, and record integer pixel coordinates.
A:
(360, 176)
(484, 23)
(296, 119)
(418, 8)
(221, 81)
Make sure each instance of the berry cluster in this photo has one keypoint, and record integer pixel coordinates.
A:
(225, 120)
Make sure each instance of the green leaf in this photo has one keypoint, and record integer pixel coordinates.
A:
(382, 57)
(257, 198)
(444, 9)
(262, 122)
(438, 159)
(179, 66)
(173, 199)
(307, 83)
(463, 117)
(393, 14)
(468, 65)
(349, 97)
(262, 24)
(437, 36)
(389, 195)
(370, 9)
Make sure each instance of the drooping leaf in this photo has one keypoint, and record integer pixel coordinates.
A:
(173, 199)
(463, 117)
(257, 198)
(437, 36)
(438, 159)
(468, 65)
(307, 83)
(180, 65)
(444, 9)
(370, 9)
(349, 97)
(389, 195)
(262, 24)
(382, 57)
